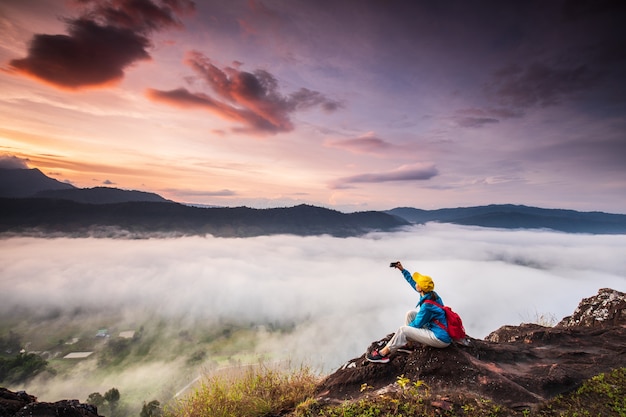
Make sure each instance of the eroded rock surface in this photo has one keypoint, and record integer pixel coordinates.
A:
(517, 366)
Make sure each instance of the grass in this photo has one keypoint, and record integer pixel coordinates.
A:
(259, 391)
(603, 395)
(263, 391)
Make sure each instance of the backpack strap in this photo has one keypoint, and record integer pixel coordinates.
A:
(437, 322)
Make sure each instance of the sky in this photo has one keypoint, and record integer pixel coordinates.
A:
(339, 292)
(351, 105)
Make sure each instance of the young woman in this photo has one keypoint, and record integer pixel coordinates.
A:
(426, 324)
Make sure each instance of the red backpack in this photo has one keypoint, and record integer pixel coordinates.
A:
(455, 324)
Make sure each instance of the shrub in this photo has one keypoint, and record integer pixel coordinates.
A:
(260, 391)
(21, 367)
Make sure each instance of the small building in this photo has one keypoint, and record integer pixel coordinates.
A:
(77, 355)
(128, 334)
(102, 333)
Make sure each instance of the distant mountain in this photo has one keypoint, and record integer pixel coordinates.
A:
(30, 201)
(52, 216)
(19, 183)
(510, 216)
(101, 195)
(23, 183)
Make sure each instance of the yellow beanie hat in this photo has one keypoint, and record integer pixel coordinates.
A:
(425, 282)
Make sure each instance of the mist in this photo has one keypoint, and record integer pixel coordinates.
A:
(338, 294)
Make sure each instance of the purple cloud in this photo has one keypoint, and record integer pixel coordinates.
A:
(252, 99)
(415, 172)
(538, 84)
(365, 144)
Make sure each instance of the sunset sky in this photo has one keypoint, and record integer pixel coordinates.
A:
(353, 105)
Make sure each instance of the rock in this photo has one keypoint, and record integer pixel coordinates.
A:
(608, 308)
(517, 366)
(20, 404)
(12, 402)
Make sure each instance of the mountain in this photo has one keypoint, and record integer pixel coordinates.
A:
(24, 183)
(100, 195)
(574, 368)
(519, 367)
(508, 216)
(52, 206)
(138, 219)
(19, 183)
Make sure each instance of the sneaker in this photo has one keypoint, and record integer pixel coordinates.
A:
(408, 348)
(375, 356)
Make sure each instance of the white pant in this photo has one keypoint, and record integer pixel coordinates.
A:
(407, 333)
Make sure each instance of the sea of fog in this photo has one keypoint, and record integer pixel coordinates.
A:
(340, 292)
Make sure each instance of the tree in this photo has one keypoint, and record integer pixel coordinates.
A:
(21, 367)
(112, 397)
(95, 398)
(152, 409)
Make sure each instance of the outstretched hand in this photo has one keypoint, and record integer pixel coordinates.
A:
(398, 265)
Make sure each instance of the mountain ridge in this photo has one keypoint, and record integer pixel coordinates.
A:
(31, 202)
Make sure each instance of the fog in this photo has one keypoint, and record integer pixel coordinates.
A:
(339, 292)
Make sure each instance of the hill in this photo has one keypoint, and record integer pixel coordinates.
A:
(19, 183)
(32, 183)
(30, 216)
(50, 206)
(577, 367)
(101, 195)
(520, 367)
(508, 216)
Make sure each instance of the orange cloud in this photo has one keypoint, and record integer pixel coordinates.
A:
(252, 99)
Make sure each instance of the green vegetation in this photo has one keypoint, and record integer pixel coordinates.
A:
(21, 367)
(259, 391)
(152, 409)
(164, 356)
(265, 392)
(603, 395)
(108, 402)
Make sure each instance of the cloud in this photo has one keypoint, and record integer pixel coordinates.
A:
(101, 43)
(339, 293)
(251, 99)
(368, 144)
(415, 172)
(539, 84)
(217, 193)
(12, 162)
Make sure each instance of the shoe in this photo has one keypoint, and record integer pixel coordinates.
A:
(408, 348)
(375, 356)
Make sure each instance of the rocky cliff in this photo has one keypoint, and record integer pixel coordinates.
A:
(517, 366)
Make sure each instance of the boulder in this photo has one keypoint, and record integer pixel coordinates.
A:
(517, 366)
(20, 404)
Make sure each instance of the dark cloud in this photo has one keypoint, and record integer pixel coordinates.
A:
(417, 172)
(475, 121)
(252, 99)
(365, 144)
(477, 117)
(539, 84)
(12, 162)
(100, 44)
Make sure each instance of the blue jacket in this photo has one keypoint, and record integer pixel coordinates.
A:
(428, 313)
